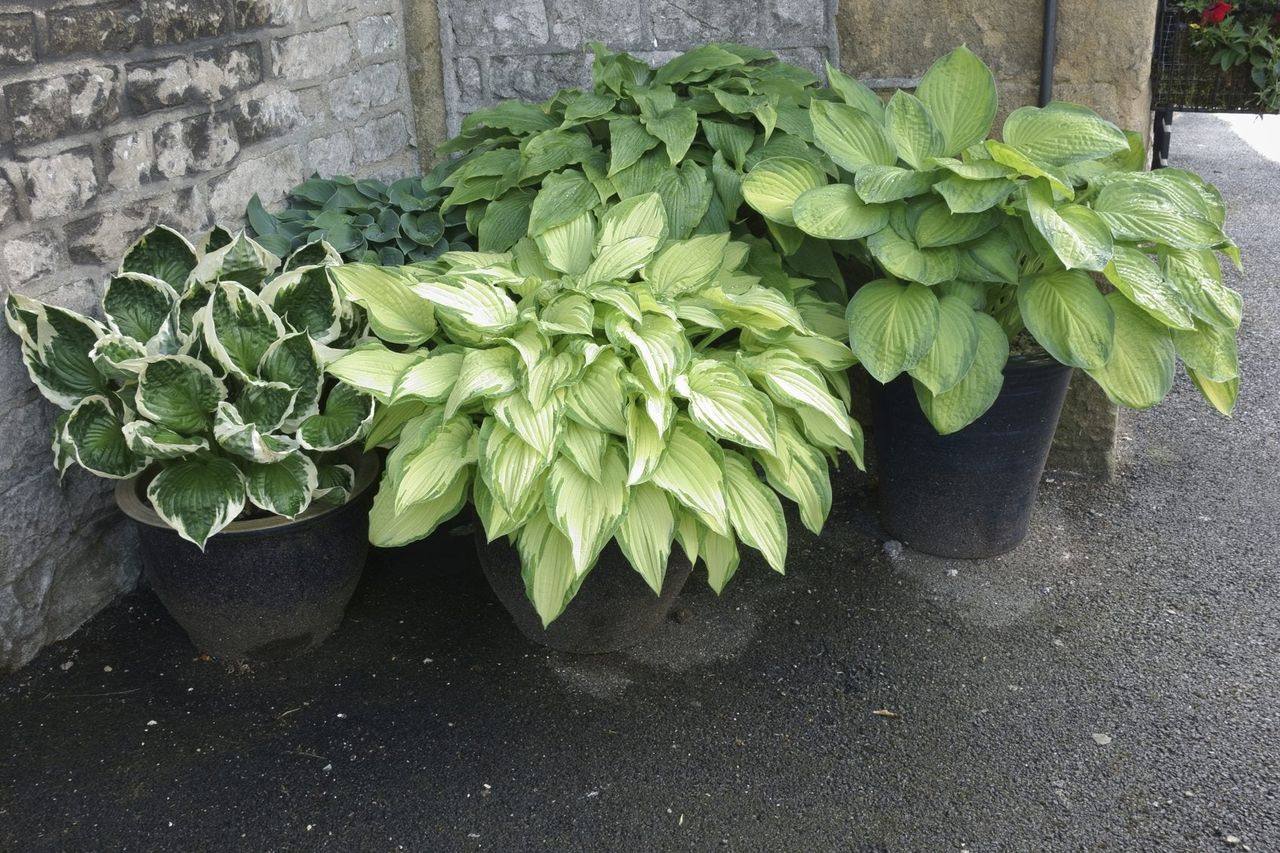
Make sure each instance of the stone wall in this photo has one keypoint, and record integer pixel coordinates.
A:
(118, 114)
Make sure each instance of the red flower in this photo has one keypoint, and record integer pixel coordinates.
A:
(1215, 13)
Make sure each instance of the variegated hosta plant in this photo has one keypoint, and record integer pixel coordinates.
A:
(603, 382)
(209, 366)
(981, 242)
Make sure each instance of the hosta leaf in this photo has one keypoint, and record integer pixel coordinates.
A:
(912, 129)
(773, 186)
(686, 195)
(483, 373)
(118, 357)
(638, 216)
(430, 379)
(938, 225)
(646, 532)
(658, 341)
(156, 442)
(283, 487)
(966, 196)
(308, 301)
(477, 305)
(850, 137)
(537, 425)
(733, 141)
(686, 266)
(198, 497)
(567, 247)
(583, 446)
(266, 404)
(388, 421)
(432, 451)
(798, 470)
(585, 510)
(1221, 395)
(883, 184)
(720, 554)
(676, 128)
(391, 528)
(904, 259)
(346, 416)
(969, 399)
(628, 142)
(692, 471)
(1208, 350)
(248, 439)
(619, 260)
(373, 368)
(568, 314)
(954, 347)
(1062, 133)
(546, 560)
(645, 444)
(178, 392)
(243, 261)
(1068, 317)
(1139, 372)
(1197, 278)
(835, 212)
(723, 402)
(96, 435)
(162, 253)
(239, 328)
(550, 375)
(1141, 210)
(505, 221)
(512, 470)
(1139, 278)
(293, 361)
(792, 381)
(56, 350)
(854, 93)
(1078, 236)
(140, 306)
(891, 326)
(960, 92)
(553, 149)
(334, 484)
(755, 511)
(597, 399)
(564, 197)
(396, 313)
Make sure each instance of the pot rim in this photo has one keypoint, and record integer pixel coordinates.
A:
(131, 503)
(1039, 358)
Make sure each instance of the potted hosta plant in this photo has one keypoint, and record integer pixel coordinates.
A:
(596, 394)
(999, 266)
(202, 392)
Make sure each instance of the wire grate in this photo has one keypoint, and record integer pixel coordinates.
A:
(1182, 78)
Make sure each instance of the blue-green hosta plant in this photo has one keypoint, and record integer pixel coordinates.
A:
(603, 381)
(1052, 233)
(209, 368)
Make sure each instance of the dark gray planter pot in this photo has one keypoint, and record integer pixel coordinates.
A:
(264, 589)
(614, 609)
(969, 494)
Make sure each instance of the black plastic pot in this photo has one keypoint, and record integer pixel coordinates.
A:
(614, 609)
(263, 589)
(968, 494)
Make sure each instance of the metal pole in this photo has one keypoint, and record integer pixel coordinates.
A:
(1048, 49)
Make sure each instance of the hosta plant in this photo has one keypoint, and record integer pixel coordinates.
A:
(207, 369)
(603, 381)
(1051, 236)
(688, 130)
(364, 221)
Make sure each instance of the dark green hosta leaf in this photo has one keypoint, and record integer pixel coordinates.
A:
(293, 361)
(316, 190)
(505, 222)
(334, 484)
(1068, 317)
(347, 414)
(283, 487)
(891, 326)
(277, 244)
(1062, 133)
(164, 254)
(686, 195)
(423, 228)
(694, 65)
(563, 197)
(307, 300)
(554, 149)
(239, 328)
(140, 306)
(676, 128)
(217, 238)
(266, 404)
(515, 116)
(157, 442)
(731, 140)
(763, 107)
(628, 142)
(588, 105)
(198, 497)
(262, 222)
(179, 392)
(96, 433)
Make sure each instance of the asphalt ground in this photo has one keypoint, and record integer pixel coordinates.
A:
(1113, 684)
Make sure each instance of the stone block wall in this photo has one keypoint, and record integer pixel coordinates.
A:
(115, 114)
(497, 49)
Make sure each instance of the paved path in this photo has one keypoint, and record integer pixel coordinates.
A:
(1112, 685)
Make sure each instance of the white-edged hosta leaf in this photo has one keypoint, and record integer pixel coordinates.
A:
(911, 127)
(638, 216)
(431, 452)
(1068, 317)
(96, 433)
(243, 261)
(391, 528)
(686, 266)
(307, 300)
(476, 304)
(239, 328)
(645, 444)
(798, 470)
(1139, 372)
(954, 347)
(568, 314)
(56, 350)
(587, 511)
(1221, 395)
(118, 357)
(346, 416)
(720, 554)
(773, 186)
(597, 399)
(248, 440)
(658, 341)
(567, 247)
(792, 381)
(1139, 278)
(429, 379)
(512, 470)
(825, 353)
(835, 212)
(266, 404)
(537, 425)
(396, 313)
(891, 326)
(688, 533)
(388, 421)
(757, 308)
(724, 403)
(583, 446)
(850, 137)
(1208, 350)
(374, 369)
(619, 260)
(546, 564)
(293, 361)
(283, 487)
(162, 253)
(334, 484)
(755, 511)
(140, 306)
(692, 471)
(1062, 133)
(646, 532)
(960, 92)
(156, 442)
(198, 496)
(179, 392)
(483, 373)
(968, 399)
(1078, 236)
(550, 375)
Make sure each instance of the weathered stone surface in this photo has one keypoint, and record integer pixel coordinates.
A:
(378, 34)
(537, 77)
(101, 27)
(381, 138)
(61, 183)
(1085, 441)
(575, 22)
(194, 145)
(320, 9)
(33, 255)
(498, 23)
(25, 421)
(791, 23)
(270, 176)
(250, 14)
(330, 155)
(691, 22)
(8, 201)
(812, 58)
(210, 75)
(469, 79)
(268, 115)
(176, 21)
(17, 39)
(186, 210)
(48, 108)
(130, 160)
(364, 90)
(308, 55)
(103, 237)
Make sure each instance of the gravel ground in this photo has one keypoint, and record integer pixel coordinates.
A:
(1114, 684)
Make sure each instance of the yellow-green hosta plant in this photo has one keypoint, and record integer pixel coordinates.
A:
(1052, 232)
(208, 364)
(603, 382)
